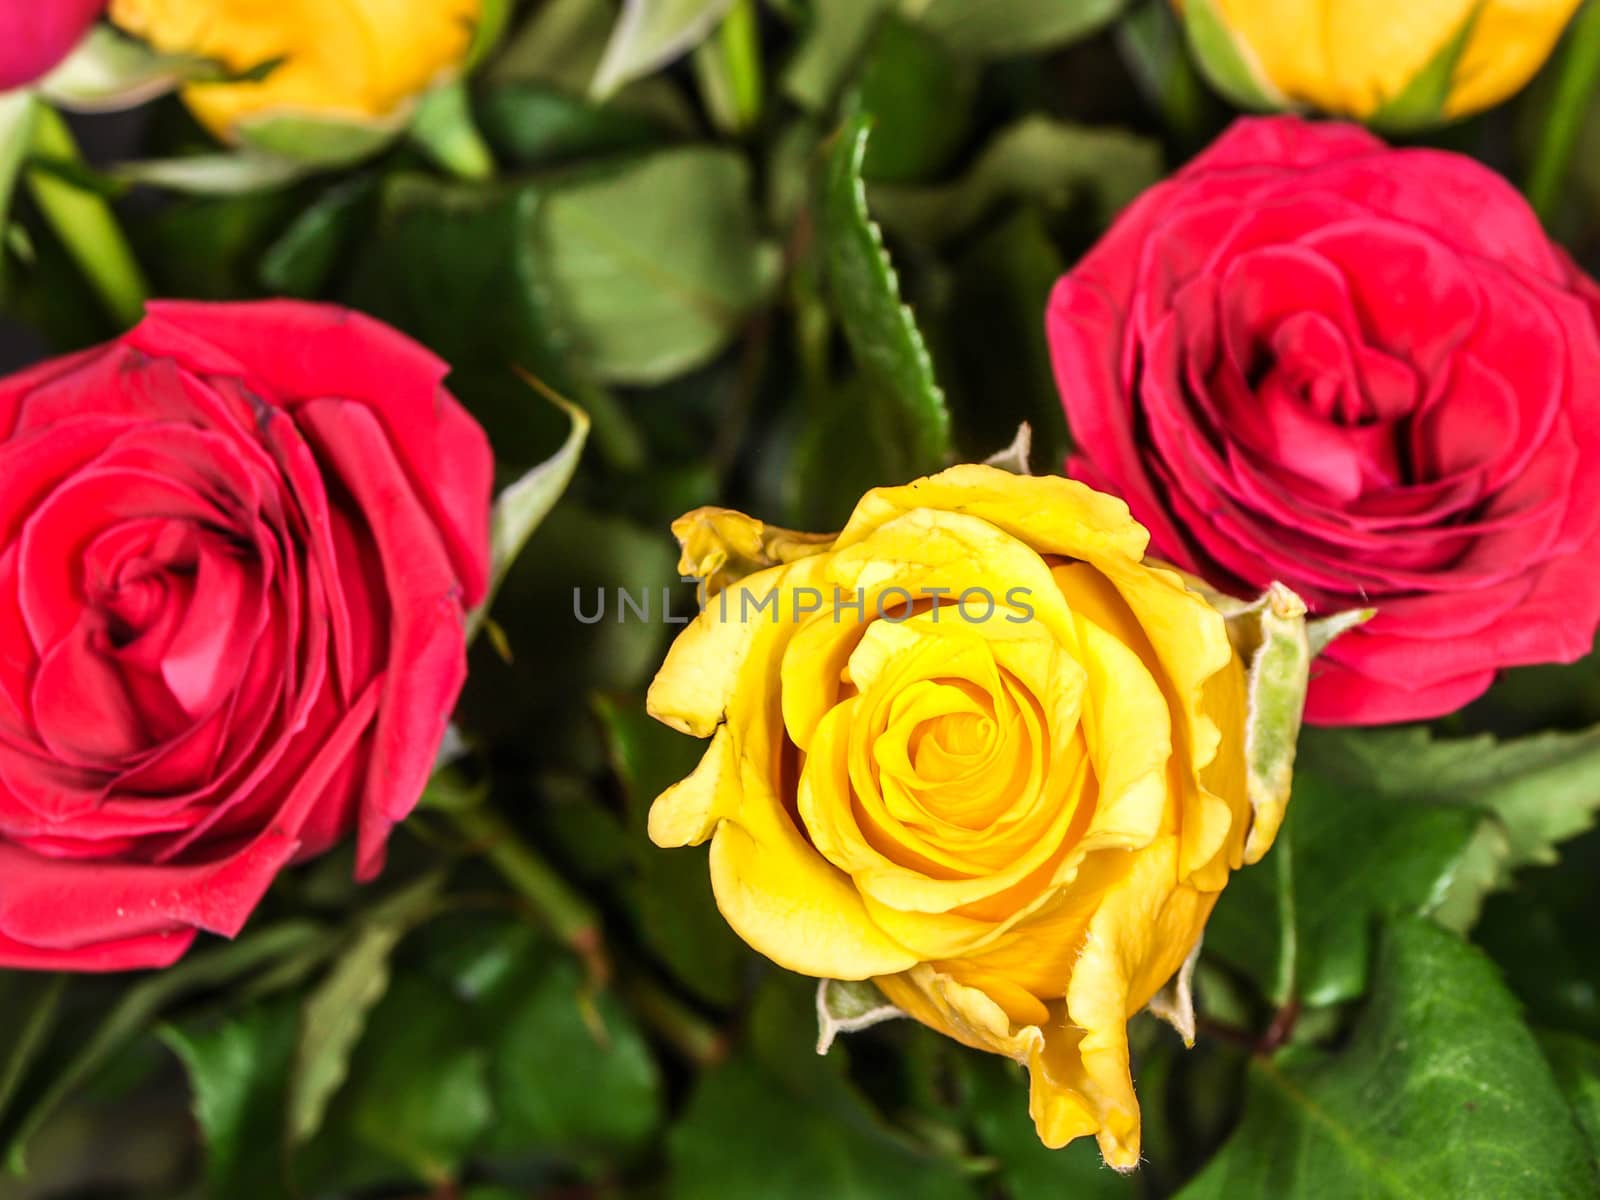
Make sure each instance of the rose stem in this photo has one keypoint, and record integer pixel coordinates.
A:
(568, 915)
(685, 1030)
(1579, 72)
(85, 222)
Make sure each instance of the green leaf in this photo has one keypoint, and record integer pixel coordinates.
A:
(675, 909)
(1576, 1063)
(996, 1101)
(1441, 1091)
(1542, 935)
(1421, 103)
(919, 98)
(238, 1069)
(650, 34)
(657, 264)
(443, 129)
(234, 174)
(522, 507)
(995, 353)
(1006, 28)
(109, 72)
(1226, 61)
(777, 1092)
(336, 1011)
(305, 255)
(1039, 160)
(418, 1091)
(315, 141)
(1300, 922)
(535, 125)
(31, 1003)
(848, 1006)
(66, 1068)
(881, 330)
(569, 1069)
(836, 35)
(1543, 789)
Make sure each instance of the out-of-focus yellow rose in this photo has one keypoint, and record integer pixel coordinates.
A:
(357, 60)
(1353, 57)
(977, 750)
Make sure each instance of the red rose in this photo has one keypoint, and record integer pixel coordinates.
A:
(35, 35)
(1364, 372)
(236, 546)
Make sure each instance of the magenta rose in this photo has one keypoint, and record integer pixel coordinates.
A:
(236, 548)
(35, 35)
(1364, 372)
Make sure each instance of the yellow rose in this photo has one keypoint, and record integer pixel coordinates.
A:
(978, 751)
(1354, 57)
(357, 60)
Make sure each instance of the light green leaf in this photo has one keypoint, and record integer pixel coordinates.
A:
(1039, 160)
(215, 174)
(318, 142)
(1543, 789)
(17, 114)
(1006, 28)
(1441, 1092)
(659, 263)
(650, 34)
(1226, 61)
(846, 1006)
(881, 330)
(522, 507)
(443, 128)
(336, 1011)
(109, 71)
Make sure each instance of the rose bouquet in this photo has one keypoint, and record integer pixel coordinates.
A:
(956, 598)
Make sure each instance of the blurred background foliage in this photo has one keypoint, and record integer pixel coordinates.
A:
(534, 1001)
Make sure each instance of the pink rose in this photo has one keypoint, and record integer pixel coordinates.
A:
(236, 547)
(1364, 372)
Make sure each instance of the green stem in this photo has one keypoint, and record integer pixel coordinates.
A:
(85, 223)
(567, 914)
(1579, 74)
(685, 1030)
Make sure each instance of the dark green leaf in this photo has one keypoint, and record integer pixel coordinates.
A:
(676, 911)
(306, 254)
(136, 1011)
(238, 1072)
(1300, 922)
(1576, 1063)
(997, 1099)
(881, 330)
(569, 1069)
(919, 98)
(1038, 159)
(1440, 1092)
(30, 1002)
(540, 126)
(835, 37)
